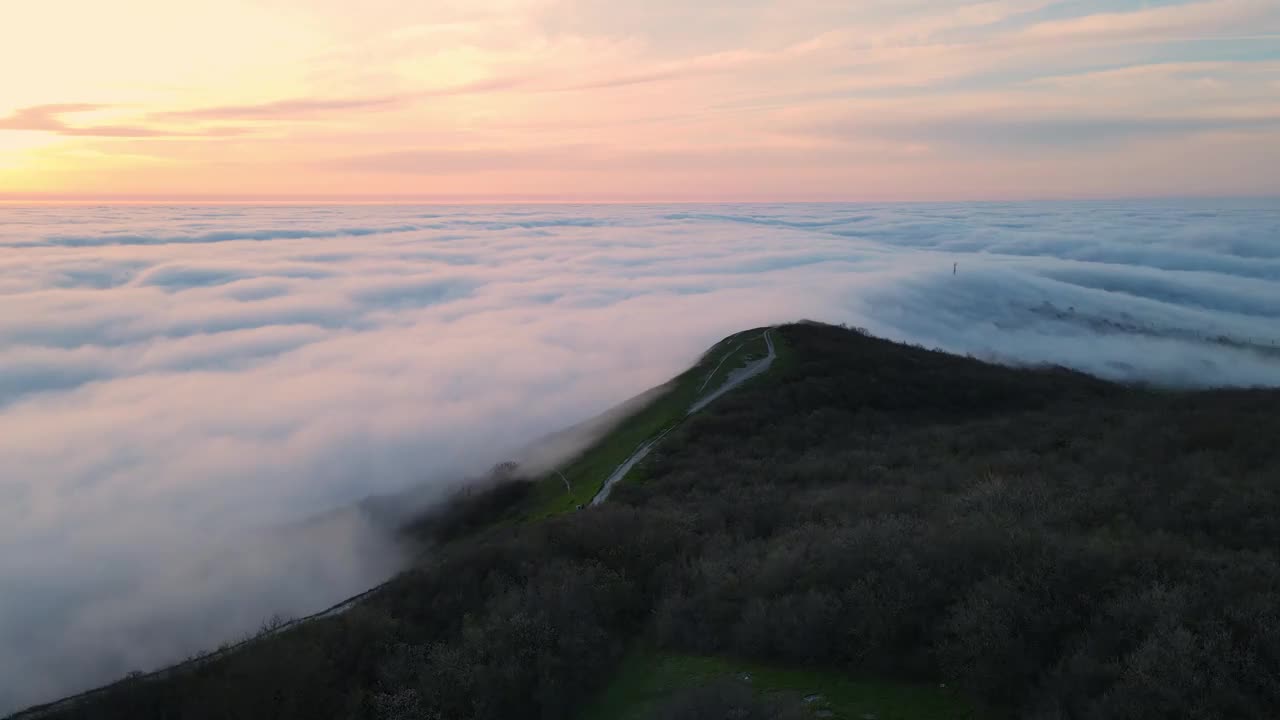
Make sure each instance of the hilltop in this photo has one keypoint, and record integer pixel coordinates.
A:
(855, 528)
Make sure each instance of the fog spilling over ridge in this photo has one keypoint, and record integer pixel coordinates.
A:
(188, 392)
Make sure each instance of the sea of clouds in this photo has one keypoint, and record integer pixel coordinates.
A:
(187, 392)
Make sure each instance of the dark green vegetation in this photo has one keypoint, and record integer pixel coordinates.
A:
(865, 516)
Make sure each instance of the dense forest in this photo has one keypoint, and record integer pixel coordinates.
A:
(1046, 544)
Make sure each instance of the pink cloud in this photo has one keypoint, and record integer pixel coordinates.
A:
(48, 118)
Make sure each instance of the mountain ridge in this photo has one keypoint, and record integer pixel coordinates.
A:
(952, 521)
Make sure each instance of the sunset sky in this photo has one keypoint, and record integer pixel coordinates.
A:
(657, 100)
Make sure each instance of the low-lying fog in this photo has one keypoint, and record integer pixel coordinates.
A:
(181, 388)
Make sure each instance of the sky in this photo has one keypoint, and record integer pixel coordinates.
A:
(581, 100)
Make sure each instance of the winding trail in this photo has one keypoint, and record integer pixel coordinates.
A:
(739, 376)
(622, 470)
(716, 369)
(735, 378)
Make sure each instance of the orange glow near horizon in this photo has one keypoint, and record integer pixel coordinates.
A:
(598, 100)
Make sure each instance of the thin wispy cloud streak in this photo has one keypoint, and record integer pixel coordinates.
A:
(283, 109)
(48, 118)
(184, 386)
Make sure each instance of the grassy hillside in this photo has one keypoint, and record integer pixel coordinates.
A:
(866, 522)
(647, 684)
(656, 411)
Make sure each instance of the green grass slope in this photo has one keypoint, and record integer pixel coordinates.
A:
(644, 680)
(587, 472)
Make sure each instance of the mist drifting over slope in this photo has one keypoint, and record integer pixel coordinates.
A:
(180, 383)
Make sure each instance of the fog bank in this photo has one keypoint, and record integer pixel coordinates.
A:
(180, 384)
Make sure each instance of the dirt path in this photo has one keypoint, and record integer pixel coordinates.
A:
(739, 376)
(736, 378)
(622, 470)
(716, 369)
